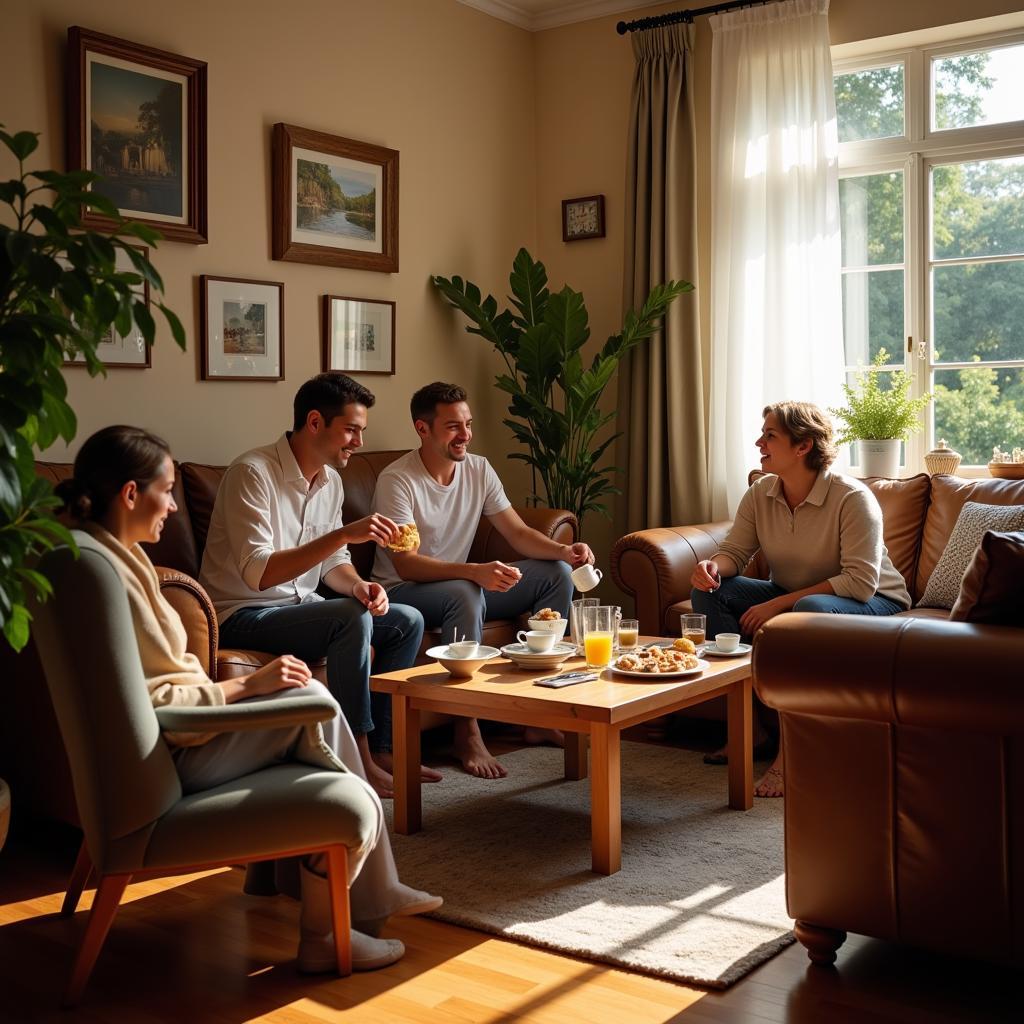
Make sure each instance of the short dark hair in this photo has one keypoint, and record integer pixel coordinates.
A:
(425, 402)
(804, 421)
(328, 394)
(108, 460)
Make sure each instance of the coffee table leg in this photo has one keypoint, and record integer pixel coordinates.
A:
(741, 746)
(605, 799)
(405, 728)
(575, 755)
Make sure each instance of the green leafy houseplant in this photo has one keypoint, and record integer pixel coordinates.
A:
(59, 293)
(872, 413)
(554, 405)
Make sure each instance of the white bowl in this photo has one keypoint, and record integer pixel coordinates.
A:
(558, 626)
(462, 668)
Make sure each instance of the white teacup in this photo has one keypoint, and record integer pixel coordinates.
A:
(727, 641)
(464, 648)
(538, 640)
(585, 577)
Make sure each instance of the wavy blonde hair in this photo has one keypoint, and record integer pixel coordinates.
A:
(804, 421)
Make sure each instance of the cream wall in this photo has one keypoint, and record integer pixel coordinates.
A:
(450, 88)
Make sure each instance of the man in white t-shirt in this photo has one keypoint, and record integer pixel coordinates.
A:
(444, 490)
(277, 538)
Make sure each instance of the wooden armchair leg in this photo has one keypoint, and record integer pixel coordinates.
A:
(80, 875)
(337, 875)
(104, 908)
(821, 943)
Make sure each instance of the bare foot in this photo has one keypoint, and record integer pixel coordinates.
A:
(385, 760)
(382, 782)
(470, 750)
(547, 737)
(771, 781)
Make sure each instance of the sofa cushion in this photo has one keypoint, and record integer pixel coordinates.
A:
(974, 519)
(201, 483)
(993, 587)
(947, 498)
(904, 504)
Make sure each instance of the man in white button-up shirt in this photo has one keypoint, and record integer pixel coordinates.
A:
(276, 534)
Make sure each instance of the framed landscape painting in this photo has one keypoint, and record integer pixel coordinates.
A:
(335, 201)
(358, 335)
(137, 117)
(241, 328)
(118, 351)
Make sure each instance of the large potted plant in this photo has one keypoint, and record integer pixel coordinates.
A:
(555, 401)
(60, 291)
(879, 419)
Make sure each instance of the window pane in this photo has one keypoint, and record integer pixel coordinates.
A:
(869, 104)
(977, 88)
(872, 315)
(978, 312)
(871, 208)
(978, 208)
(978, 409)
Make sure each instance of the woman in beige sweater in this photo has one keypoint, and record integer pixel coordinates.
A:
(121, 493)
(819, 531)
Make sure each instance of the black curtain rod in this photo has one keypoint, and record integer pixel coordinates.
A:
(685, 16)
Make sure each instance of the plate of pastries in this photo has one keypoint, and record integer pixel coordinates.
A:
(655, 662)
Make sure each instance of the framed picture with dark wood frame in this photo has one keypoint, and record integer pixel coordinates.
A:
(241, 328)
(137, 116)
(117, 351)
(582, 218)
(358, 335)
(335, 201)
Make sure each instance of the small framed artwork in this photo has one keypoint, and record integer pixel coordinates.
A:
(335, 201)
(241, 328)
(137, 116)
(582, 218)
(358, 335)
(118, 351)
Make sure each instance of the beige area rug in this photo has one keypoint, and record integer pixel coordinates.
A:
(700, 897)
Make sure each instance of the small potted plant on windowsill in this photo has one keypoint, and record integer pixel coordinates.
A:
(879, 419)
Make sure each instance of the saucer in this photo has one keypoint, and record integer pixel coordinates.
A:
(711, 650)
(525, 658)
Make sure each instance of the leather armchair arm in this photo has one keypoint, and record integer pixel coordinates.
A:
(654, 567)
(195, 608)
(264, 714)
(927, 673)
(556, 523)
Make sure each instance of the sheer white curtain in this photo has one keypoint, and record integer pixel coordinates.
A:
(776, 303)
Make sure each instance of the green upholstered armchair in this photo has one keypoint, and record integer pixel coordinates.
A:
(136, 821)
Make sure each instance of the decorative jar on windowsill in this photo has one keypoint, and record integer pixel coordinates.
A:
(942, 459)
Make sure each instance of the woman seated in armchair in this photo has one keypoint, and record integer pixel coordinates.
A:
(820, 533)
(121, 495)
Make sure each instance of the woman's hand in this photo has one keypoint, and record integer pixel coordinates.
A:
(758, 614)
(284, 673)
(706, 576)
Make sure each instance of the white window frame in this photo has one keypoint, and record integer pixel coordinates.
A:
(915, 153)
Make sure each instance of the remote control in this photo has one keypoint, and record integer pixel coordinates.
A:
(568, 679)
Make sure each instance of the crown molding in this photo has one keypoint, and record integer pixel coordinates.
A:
(567, 13)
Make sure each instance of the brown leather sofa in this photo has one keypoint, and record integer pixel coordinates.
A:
(903, 740)
(28, 729)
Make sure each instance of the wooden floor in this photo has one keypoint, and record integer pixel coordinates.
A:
(195, 949)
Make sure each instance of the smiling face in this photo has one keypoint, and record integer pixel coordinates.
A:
(335, 442)
(153, 505)
(450, 433)
(778, 451)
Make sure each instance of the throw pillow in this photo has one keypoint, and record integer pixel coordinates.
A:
(993, 586)
(974, 519)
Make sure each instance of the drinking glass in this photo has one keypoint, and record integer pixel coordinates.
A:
(693, 628)
(598, 635)
(629, 634)
(576, 619)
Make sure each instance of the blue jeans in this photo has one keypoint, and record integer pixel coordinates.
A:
(725, 606)
(458, 606)
(341, 630)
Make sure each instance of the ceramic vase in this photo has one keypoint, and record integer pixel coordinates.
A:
(879, 458)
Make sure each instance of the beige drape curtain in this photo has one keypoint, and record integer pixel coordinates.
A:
(661, 398)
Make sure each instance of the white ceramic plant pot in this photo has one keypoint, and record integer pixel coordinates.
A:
(879, 458)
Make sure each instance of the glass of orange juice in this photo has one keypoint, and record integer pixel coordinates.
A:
(598, 634)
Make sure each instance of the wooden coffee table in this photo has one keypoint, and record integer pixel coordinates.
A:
(599, 710)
